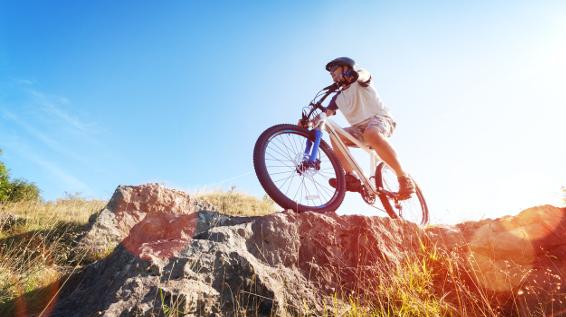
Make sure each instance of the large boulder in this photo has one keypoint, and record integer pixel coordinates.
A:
(153, 204)
(177, 256)
(174, 254)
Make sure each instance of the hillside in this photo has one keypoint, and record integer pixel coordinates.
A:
(166, 253)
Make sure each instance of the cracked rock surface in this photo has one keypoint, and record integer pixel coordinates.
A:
(170, 253)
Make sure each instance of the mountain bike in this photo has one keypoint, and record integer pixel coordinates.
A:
(293, 165)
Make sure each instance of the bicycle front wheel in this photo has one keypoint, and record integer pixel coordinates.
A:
(413, 209)
(288, 179)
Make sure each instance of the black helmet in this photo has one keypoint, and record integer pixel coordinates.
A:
(341, 61)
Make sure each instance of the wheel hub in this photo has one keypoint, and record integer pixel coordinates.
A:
(308, 168)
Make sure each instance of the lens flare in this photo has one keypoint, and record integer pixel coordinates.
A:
(499, 256)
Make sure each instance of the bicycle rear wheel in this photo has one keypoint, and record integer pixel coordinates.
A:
(413, 209)
(288, 179)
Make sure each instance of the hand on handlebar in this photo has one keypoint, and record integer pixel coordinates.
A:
(303, 123)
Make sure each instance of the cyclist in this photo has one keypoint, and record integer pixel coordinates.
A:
(371, 121)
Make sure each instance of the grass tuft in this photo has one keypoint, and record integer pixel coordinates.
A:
(236, 203)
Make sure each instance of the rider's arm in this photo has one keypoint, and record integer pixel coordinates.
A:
(332, 106)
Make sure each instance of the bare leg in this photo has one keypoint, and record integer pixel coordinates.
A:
(384, 149)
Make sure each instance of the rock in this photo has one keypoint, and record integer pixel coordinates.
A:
(174, 257)
(521, 239)
(512, 254)
(131, 205)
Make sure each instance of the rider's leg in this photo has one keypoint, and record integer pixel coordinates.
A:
(386, 152)
(379, 142)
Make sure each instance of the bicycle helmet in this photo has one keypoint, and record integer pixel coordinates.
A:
(341, 61)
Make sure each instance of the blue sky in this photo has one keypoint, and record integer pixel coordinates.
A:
(102, 93)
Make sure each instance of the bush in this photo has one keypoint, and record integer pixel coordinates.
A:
(16, 190)
(21, 190)
(4, 182)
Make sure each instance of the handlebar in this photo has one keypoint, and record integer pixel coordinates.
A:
(317, 105)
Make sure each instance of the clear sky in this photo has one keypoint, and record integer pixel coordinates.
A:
(94, 94)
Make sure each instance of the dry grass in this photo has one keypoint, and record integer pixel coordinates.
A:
(436, 283)
(236, 203)
(37, 243)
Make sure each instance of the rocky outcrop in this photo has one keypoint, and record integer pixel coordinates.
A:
(176, 255)
(518, 260)
(156, 205)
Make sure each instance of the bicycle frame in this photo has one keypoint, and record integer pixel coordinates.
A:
(335, 131)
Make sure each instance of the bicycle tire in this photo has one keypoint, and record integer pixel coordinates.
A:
(413, 209)
(287, 141)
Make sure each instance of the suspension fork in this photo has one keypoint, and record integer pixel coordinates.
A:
(312, 148)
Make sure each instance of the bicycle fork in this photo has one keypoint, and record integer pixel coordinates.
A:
(312, 148)
(309, 159)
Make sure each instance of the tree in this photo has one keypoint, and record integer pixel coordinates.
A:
(16, 190)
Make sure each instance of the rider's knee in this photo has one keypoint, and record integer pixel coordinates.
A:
(372, 133)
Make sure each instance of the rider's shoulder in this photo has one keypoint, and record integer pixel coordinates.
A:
(364, 77)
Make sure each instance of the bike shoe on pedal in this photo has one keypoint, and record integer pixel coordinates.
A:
(406, 187)
(353, 184)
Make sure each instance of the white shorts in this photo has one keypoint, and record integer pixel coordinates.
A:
(384, 124)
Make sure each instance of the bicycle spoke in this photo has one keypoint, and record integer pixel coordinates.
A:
(275, 158)
(283, 152)
(315, 183)
(295, 196)
(297, 148)
(281, 166)
(290, 182)
(290, 152)
(286, 179)
(286, 172)
(300, 183)
(324, 187)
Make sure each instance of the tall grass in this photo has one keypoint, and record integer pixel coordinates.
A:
(37, 246)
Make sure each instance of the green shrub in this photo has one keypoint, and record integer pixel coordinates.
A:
(16, 190)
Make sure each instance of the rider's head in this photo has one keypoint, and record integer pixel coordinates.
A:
(340, 68)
